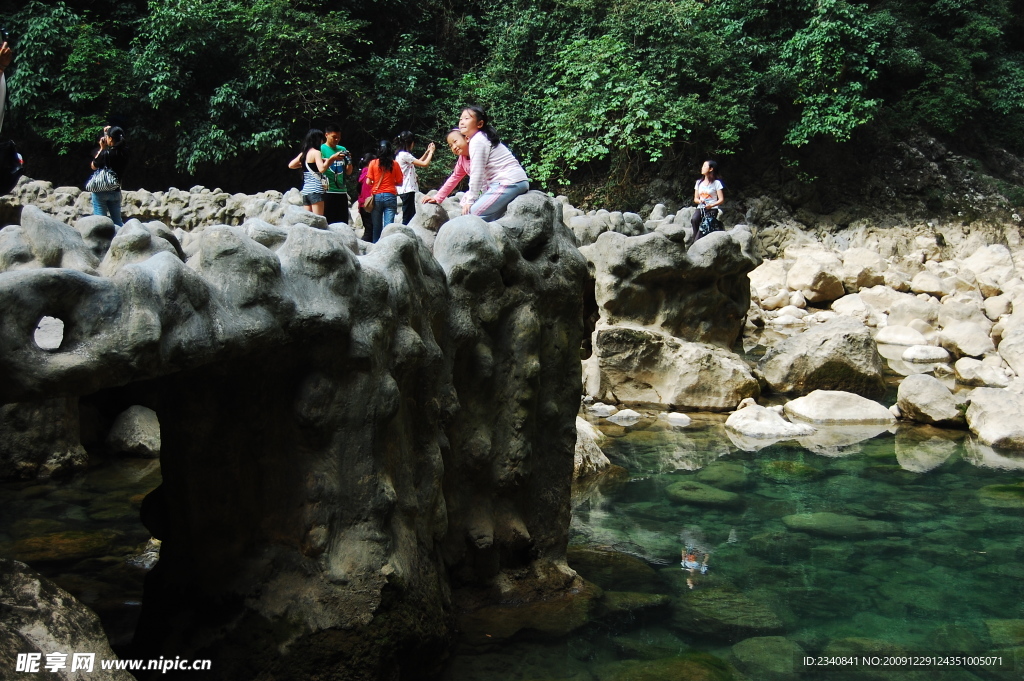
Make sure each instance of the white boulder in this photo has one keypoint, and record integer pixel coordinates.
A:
(926, 399)
(836, 407)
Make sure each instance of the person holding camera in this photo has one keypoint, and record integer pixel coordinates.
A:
(336, 201)
(112, 155)
(314, 181)
(404, 144)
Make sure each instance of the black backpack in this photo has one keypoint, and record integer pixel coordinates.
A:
(11, 166)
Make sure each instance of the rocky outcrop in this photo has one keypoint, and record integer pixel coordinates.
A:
(643, 366)
(39, 618)
(588, 459)
(667, 315)
(349, 444)
(700, 294)
(838, 355)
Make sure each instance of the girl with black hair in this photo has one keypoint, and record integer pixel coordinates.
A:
(313, 189)
(404, 143)
(113, 154)
(384, 177)
(708, 194)
(495, 176)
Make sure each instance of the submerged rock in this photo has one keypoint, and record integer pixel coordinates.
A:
(837, 525)
(723, 612)
(692, 666)
(789, 471)
(772, 658)
(699, 494)
(610, 569)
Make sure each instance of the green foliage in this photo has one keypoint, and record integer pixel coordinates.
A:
(831, 62)
(68, 75)
(215, 75)
(591, 92)
(600, 102)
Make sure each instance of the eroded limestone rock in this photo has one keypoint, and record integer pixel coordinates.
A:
(838, 355)
(697, 295)
(310, 400)
(636, 365)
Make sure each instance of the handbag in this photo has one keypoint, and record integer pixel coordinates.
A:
(708, 222)
(368, 204)
(325, 184)
(103, 180)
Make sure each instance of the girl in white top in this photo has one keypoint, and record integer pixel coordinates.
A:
(404, 143)
(495, 176)
(708, 194)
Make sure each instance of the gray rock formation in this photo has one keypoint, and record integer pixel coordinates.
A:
(588, 459)
(662, 309)
(39, 618)
(40, 439)
(699, 295)
(838, 355)
(643, 366)
(344, 439)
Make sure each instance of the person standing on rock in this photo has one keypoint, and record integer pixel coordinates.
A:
(404, 143)
(112, 154)
(384, 177)
(365, 216)
(314, 164)
(459, 145)
(495, 176)
(708, 194)
(336, 202)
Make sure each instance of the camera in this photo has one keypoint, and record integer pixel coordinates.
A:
(4, 35)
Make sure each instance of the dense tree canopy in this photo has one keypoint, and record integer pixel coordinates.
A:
(571, 84)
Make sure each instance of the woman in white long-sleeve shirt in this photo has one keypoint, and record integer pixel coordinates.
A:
(495, 176)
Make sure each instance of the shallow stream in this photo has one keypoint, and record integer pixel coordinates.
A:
(904, 544)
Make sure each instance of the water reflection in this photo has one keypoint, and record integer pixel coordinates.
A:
(858, 541)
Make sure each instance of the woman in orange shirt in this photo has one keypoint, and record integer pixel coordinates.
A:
(384, 177)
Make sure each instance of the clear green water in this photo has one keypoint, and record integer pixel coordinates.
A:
(85, 535)
(935, 566)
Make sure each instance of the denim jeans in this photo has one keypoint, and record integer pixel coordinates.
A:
(108, 203)
(385, 207)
